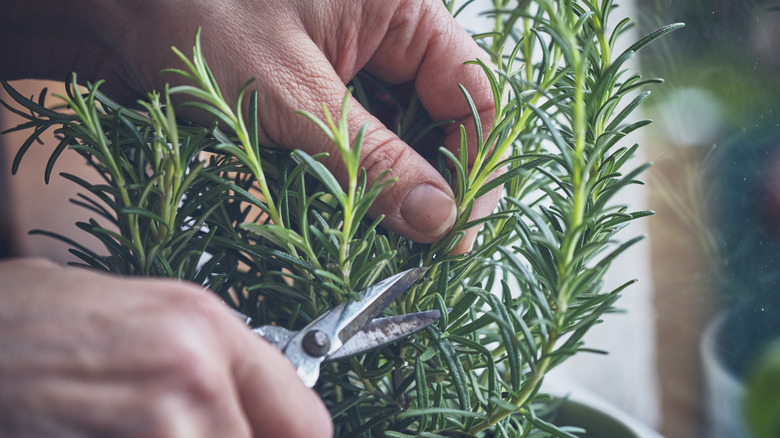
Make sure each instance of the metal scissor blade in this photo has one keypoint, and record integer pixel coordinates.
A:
(278, 336)
(324, 336)
(382, 331)
(376, 298)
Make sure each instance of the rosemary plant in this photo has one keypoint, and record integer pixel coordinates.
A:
(275, 235)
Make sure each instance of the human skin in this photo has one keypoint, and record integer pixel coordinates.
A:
(83, 354)
(302, 54)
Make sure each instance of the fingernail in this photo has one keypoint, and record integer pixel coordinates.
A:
(429, 210)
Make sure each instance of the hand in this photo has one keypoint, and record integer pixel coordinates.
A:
(302, 52)
(91, 355)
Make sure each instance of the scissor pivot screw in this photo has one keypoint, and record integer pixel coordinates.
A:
(316, 343)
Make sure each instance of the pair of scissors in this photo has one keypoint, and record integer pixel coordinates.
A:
(350, 328)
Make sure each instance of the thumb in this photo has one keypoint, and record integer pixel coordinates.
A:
(418, 205)
(424, 45)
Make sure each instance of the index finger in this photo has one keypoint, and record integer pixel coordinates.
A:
(425, 44)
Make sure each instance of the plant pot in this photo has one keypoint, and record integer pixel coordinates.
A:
(585, 409)
(730, 345)
(598, 423)
(723, 390)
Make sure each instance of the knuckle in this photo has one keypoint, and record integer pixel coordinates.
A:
(199, 308)
(192, 363)
(384, 154)
(164, 417)
(187, 398)
(197, 380)
(390, 154)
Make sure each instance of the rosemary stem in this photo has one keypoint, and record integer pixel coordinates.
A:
(530, 387)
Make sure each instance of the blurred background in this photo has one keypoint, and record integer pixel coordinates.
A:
(715, 186)
(707, 304)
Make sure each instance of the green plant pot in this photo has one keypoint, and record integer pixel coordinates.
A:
(598, 423)
(727, 353)
(723, 391)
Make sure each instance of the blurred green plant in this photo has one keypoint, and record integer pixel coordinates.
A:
(762, 400)
(274, 234)
(727, 50)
